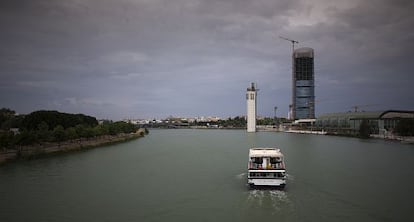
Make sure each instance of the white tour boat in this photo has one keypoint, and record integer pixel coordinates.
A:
(266, 168)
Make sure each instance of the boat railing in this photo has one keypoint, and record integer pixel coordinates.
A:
(259, 166)
(273, 175)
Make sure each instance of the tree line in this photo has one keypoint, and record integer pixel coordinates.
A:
(241, 122)
(52, 126)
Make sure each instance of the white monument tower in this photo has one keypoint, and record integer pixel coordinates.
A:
(251, 97)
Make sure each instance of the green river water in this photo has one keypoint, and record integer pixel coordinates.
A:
(200, 175)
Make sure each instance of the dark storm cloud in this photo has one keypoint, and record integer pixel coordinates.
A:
(154, 58)
(371, 51)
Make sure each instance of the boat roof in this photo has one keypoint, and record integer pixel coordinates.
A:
(265, 152)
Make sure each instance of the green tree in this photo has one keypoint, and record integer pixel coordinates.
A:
(266, 121)
(59, 134)
(238, 122)
(89, 132)
(6, 114)
(80, 130)
(71, 133)
(25, 137)
(55, 118)
(6, 139)
(43, 132)
(100, 130)
(12, 122)
(113, 129)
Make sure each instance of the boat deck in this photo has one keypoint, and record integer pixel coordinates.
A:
(257, 166)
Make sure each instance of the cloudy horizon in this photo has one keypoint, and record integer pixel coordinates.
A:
(156, 58)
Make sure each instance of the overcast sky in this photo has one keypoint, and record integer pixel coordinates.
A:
(154, 58)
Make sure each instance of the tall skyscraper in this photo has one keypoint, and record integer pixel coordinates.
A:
(251, 97)
(303, 95)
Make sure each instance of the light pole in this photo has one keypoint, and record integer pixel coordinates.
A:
(276, 116)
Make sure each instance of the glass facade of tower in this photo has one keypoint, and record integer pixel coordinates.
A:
(304, 84)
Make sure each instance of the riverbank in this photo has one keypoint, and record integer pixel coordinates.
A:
(402, 139)
(307, 132)
(353, 134)
(33, 151)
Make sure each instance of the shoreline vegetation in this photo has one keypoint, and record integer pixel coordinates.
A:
(39, 150)
(44, 132)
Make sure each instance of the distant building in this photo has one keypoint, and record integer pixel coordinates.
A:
(303, 90)
(251, 97)
(208, 119)
(381, 122)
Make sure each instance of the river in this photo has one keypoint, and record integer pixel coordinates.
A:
(200, 175)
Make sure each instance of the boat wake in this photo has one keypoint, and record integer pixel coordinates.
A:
(256, 197)
(241, 176)
(274, 199)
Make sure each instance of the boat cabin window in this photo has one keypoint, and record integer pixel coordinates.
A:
(267, 175)
(279, 174)
(274, 160)
(257, 160)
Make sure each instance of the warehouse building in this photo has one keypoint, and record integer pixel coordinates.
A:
(381, 122)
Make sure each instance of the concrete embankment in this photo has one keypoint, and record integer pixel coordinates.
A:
(307, 132)
(27, 152)
(402, 139)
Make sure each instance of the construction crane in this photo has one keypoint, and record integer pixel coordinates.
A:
(290, 40)
(292, 106)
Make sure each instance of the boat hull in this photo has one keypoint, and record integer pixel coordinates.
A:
(275, 183)
(257, 187)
